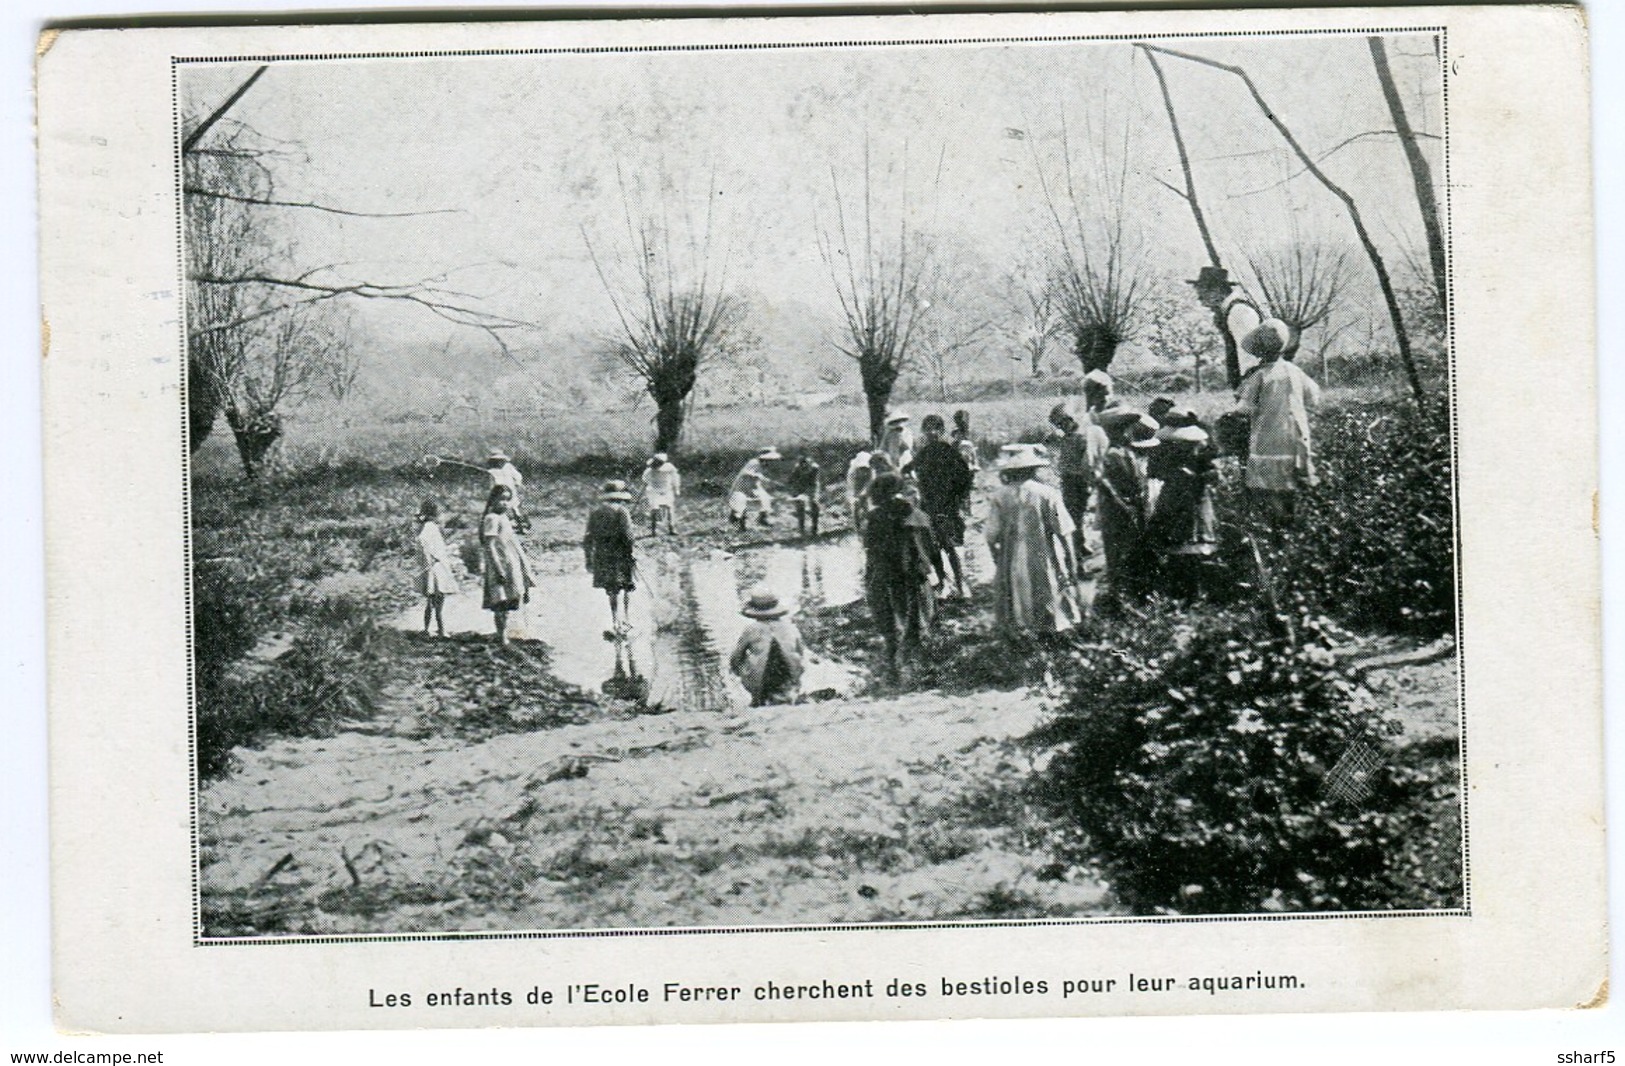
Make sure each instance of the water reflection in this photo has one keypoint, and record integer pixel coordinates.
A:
(685, 619)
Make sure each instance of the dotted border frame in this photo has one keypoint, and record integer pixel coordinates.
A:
(199, 940)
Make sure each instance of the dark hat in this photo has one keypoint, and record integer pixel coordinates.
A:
(1211, 275)
(430, 509)
(1112, 417)
(885, 486)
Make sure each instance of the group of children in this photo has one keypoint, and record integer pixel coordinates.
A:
(1148, 475)
(505, 572)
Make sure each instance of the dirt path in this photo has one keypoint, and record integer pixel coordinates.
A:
(902, 809)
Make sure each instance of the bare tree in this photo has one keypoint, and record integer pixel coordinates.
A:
(1301, 284)
(675, 313)
(964, 311)
(1097, 275)
(1176, 330)
(257, 318)
(878, 283)
(1378, 265)
(1034, 318)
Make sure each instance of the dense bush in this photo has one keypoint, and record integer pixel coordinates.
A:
(1196, 751)
(329, 674)
(1373, 544)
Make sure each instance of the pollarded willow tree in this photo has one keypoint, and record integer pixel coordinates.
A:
(879, 281)
(674, 310)
(1098, 270)
(264, 326)
(252, 352)
(1301, 283)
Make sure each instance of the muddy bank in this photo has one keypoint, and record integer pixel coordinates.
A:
(905, 809)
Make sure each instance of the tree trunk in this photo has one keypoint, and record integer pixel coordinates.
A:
(1232, 359)
(257, 436)
(202, 404)
(879, 378)
(669, 418)
(1421, 175)
(1095, 348)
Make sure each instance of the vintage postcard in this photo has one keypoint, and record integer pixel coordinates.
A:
(705, 520)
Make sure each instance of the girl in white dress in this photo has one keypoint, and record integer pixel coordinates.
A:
(435, 581)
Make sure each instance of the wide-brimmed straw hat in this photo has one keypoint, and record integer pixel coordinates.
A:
(497, 455)
(1175, 419)
(1098, 377)
(1269, 340)
(1188, 435)
(616, 490)
(1142, 432)
(763, 603)
(896, 418)
(1022, 457)
(769, 453)
(661, 457)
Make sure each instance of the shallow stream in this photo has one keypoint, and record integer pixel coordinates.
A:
(685, 617)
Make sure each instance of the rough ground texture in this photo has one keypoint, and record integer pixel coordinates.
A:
(486, 794)
(904, 809)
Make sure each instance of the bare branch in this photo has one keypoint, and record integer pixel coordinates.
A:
(1401, 335)
(191, 190)
(1339, 146)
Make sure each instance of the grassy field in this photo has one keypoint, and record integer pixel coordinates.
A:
(601, 442)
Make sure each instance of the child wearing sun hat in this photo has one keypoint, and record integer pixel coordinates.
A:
(768, 657)
(608, 546)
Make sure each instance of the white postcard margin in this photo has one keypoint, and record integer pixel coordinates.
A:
(124, 956)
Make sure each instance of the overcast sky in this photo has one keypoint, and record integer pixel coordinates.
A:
(534, 151)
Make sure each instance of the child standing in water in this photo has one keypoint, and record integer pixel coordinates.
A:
(608, 546)
(434, 578)
(661, 486)
(508, 578)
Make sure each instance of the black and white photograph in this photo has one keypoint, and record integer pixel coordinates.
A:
(867, 483)
(720, 519)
